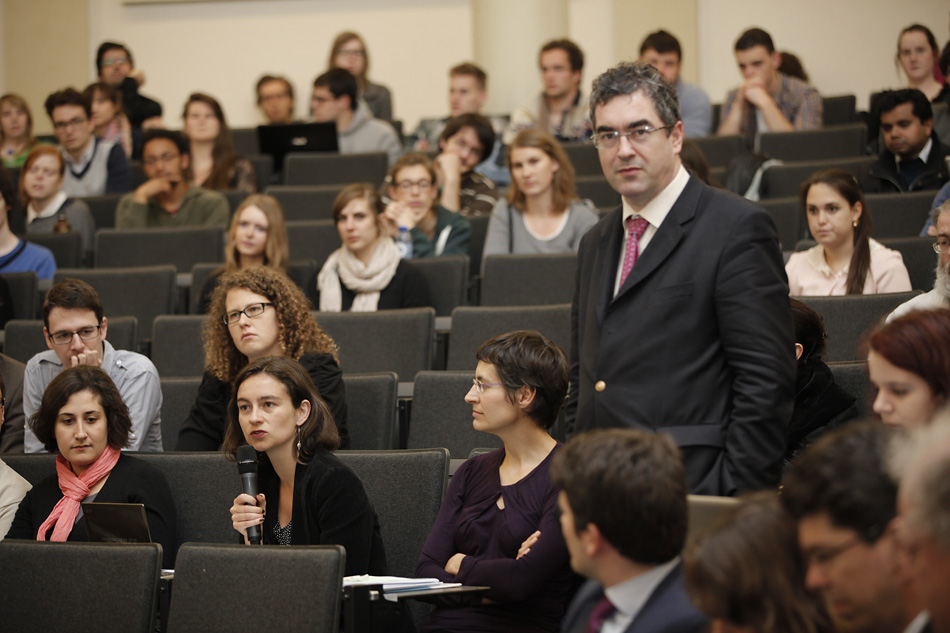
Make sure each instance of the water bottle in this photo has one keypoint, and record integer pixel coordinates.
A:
(404, 243)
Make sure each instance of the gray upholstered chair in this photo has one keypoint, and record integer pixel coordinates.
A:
(306, 202)
(447, 279)
(371, 410)
(473, 325)
(789, 219)
(528, 280)
(335, 169)
(178, 396)
(840, 141)
(852, 376)
(441, 417)
(177, 351)
(183, 247)
(23, 293)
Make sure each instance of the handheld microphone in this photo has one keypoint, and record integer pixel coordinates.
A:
(247, 467)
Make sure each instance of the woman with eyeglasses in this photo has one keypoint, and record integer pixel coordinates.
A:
(497, 525)
(366, 273)
(349, 53)
(846, 259)
(256, 313)
(542, 213)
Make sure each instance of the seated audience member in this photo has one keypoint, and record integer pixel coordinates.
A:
(746, 572)
(695, 163)
(662, 50)
(12, 486)
(75, 329)
(167, 198)
(498, 522)
(939, 296)
(334, 100)
(922, 466)
(214, 164)
(48, 209)
(846, 259)
(114, 65)
(93, 167)
(349, 53)
(435, 230)
(11, 427)
(942, 196)
(917, 54)
(820, 404)
(84, 418)
(111, 123)
(467, 140)
(913, 158)
(366, 273)
(843, 500)
(277, 409)
(909, 367)
(561, 109)
(16, 130)
(767, 101)
(792, 66)
(16, 255)
(254, 313)
(542, 213)
(624, 517)
(275, 98)
(257, 237)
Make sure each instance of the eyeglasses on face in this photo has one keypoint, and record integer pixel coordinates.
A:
(62, 126)
(252, 312)
(637, 136)
(115, 60)
(65, 338)
(942, 246)
(407, 185)
(481, 386)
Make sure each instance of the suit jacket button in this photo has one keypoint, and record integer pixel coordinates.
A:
(600, 385)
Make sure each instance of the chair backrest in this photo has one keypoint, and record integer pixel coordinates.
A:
(245, 141)
(720, 150)
(178, 396)
(297, 589)
(597, 190)
(440, 416)
(112, 587)
(235, 198)
(177, 351)
(143, 292)
(584, 158)
(783, 181)
(406, 488)
(899, 214)
(472, 326)
(476, 243)
(447, 279)
(66, 247)
(302, 271)
(183, 247)
(34, 467)
(528, 280)
(789, 219)
(371, 410)
(852, 376)
(842, 141)
(703, 510)
(335, 169)
(919, 258)
(312, 239)
(400, 341)
(103, 209)
(23, 292)
(306, 202)
(838, 110)
(24, 338)
(263, 168)
(849, 318)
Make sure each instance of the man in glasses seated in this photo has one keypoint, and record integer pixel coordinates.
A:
(75, 328)
(115, 66)
(939, 296)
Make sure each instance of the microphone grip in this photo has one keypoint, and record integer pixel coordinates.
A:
(249, 485)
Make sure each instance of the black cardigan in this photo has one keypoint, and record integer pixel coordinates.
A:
(407, 289)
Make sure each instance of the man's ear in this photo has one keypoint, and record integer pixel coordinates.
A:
(49, 341)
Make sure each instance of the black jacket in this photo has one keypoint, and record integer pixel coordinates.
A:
(882, 176)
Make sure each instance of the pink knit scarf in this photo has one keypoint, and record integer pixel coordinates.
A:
(75, 489)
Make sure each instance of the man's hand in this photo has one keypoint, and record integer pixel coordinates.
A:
(152, 188)
(448, 168)
(755, 92)
(90, 357)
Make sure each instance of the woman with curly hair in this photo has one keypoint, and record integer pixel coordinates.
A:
(256, 313)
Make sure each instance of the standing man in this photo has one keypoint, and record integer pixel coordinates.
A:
(560, 109)
(114, 65)
(624, 517)
(275, 98)
(662, 50)
(768, 101)
(681, 321)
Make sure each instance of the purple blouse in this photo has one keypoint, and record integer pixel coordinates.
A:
(529, 594)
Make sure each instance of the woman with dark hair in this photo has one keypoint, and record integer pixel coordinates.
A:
(366, 273)
(16, 130)
(83, 418)
(846, 259)
(820, 404)
(349, 53)
(497, 525)
(746, 572)
(257, 237)
(909, 365)
(255, 313)
(542, 213)
(315, 498)
(917, 54)
(214, 163)
(108, 116)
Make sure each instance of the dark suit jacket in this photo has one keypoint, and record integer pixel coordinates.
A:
(698, 342)
(11, 433)
(667, 610)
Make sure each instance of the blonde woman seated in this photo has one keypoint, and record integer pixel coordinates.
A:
(846, 259)
(257, 237)
(542, 213)
(366, 273)
(16, 130)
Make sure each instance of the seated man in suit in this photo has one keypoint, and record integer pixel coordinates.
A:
(624, 517)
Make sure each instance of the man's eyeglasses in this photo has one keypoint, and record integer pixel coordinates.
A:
(942, 246)
(407, 185)
(480, 386)
(62, 126)
(638, 136)
(252, 312)
(65, 338)
(151, 161)
(115, 60)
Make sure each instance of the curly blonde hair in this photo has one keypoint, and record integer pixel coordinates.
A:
(299, 332)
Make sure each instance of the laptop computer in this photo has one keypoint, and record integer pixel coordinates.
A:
(116, 522)
(280, 140)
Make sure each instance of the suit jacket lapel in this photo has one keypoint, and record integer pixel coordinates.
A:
(609, 251)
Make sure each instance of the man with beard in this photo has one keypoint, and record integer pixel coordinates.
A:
(939, 297)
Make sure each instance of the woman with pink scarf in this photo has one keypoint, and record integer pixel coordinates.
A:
(83, 418)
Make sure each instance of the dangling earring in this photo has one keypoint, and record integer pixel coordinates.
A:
(298, 439)
(854, 223)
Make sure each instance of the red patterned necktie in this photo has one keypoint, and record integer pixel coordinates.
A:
(635, 229)
(602, 610)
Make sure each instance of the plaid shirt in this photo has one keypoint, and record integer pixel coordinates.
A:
(799, 103)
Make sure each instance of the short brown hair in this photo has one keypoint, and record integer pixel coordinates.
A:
(574, 53)
(410, 160)
(72, 294)
(354, 192)
(266, 79)
(470, 70)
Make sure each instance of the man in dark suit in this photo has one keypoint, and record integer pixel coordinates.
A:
(624, 518)
(681, 321)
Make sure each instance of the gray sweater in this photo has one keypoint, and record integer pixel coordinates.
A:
(580, 217)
